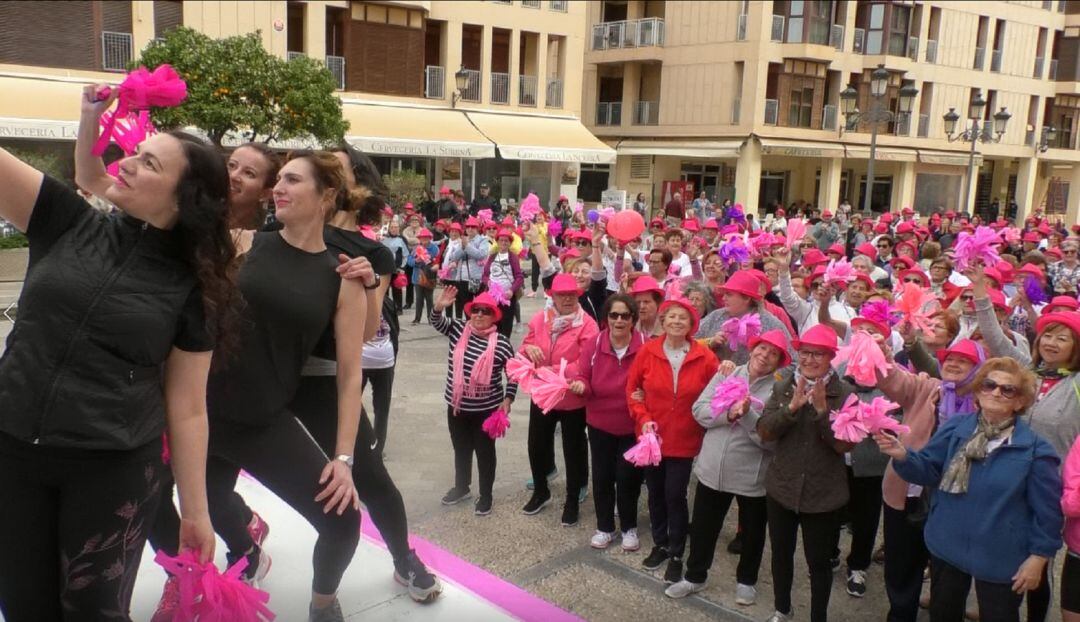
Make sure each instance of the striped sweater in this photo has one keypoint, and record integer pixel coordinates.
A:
(493, 397)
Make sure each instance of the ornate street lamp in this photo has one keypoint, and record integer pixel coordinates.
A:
(988, 133)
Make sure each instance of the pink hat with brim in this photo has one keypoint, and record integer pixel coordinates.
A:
(817, 336)
(424, 233)
(695, 319)
(1067, 302)
(965, 348)
(743, 283)
(776, 339)
(1071, 319)
(484, 300)
(645, 285)
(878, 327)
(564, 284)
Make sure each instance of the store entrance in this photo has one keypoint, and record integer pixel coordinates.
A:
(879, 196)
(771, 190)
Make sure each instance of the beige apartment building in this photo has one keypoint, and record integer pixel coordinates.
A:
(742, 99)
(463, 92)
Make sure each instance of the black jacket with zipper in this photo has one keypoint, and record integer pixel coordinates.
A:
(104, 301)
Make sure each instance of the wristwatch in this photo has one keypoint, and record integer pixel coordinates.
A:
(378, 281)
(347, 459)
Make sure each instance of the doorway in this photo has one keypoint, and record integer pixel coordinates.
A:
(773, 185)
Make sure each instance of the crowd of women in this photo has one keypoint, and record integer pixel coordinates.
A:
(720, 351)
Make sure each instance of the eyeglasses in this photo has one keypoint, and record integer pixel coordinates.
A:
(483, 310)
(817, 355)
(1008, 391)
(884, 246)
(616, 315)
(913, 279)
(967, 298)
(1072, 252)
(583, 243)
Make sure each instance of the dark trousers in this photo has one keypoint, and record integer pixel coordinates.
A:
(464, 297)
(710, 509)
(669, 513)
(506, 322)
(542, 448)
(468, 437)
(534, 272)
(1038, 599)
(285, 459)
(424, 296)
(949, 587)
(819, 540)
(315, 404)
(382, 384)
(905, 560)
(615, 481)
(408, 288)
(72, 529)
(864, 512)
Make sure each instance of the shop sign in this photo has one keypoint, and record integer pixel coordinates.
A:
(797, 151)
(556, 155)
(422, 149)
(38, 129)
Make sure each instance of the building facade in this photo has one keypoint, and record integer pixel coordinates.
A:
(743, 100)
(463, 92)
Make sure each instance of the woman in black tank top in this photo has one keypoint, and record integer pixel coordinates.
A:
(292, 294)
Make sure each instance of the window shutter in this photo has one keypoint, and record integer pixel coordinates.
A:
(641, 167)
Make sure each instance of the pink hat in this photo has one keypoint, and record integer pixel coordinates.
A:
(837, 249)
(1053, 252)
(905, 227)
(409, 207)
(908, 262)
(886, 218)
(914, 272)
(645, 284)
(826, 214)
(657, 222)
(1033, 270)
(1005, 269)
(424, 233)
(995, 275)
(711, 224)
(456, 226)
(965, 348)
(1062, 303)
(761, 277)
(685, 304)
(691, 225)
(564, 284)
(562, 197)
(472, 221)
(1032, 237)
(780, 212)
(813, 257)
(744, 283)
(907, 210)
(867, 249)
(817, 273)
(484, 300)
(865, 278)
(1071, 319)
(505, 233)
(998, 299)
(444, 190)
(777, 339)
(817, 336)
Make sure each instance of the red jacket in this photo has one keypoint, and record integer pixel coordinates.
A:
(671, 411)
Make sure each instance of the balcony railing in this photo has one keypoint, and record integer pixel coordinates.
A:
(1061, 6)
(291, 55)
(500, 88)
(1048, 5)
(646, 113)
(771, 109)
(980, 56)
(736, 110)
(557, 5)
(913, 48)
(471, 92)
(434, 82)
(740, 28)
(609, 113)
(836, 36)
(1029, 138)
(1053, 70)
(902, 126)
(554, 93)
(336, 65)
(777, 34)
(628, 34)
(530, 4)
(116, 50)
(859, 40)
(527, 93)
(931, 51)
(995, 61)
(924, 125)
(828, 117)
(1039, 62)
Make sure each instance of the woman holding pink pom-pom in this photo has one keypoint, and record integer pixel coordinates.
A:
(474, 390)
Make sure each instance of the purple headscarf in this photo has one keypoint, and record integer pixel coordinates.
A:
(950, 403)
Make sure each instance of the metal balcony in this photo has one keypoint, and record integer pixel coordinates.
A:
(609, 113)
(1029, 138)
(828, 117)
(646, 32)
(980, 56)
(116, 50)
(777, 34)
(740, 28)
(646, 113)
(1039, 62)
(1053, 70)
(336, 65)
(931, 51)
(913, 48)
(527, 91)
(434, 82)
(736, 108)
(859, 41)
(995, 61)
(836, 36)
(471, 92)
(554, 94)
(291, 55)
(530, 4)
(772, 108)
(924, 125)
(500, 88)
(557, 5)
(902, 125)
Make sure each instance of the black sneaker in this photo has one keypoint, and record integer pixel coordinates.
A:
(656, 558)
(835, 563)
(455, 495)
(735, 546)
(856, 583)
(329, 613)
(483, 506)
(411, 572)
(570, 515)
(673, 574)
(536, 503)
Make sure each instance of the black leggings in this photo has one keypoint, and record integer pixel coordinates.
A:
(409, 288)
(669, 514)
(615, 481)
(424, 296)
(285, 459)
(534, 272)
(506, 322)
(949, 587)
(316, 405)
(710, 509)
(468, 437)
(542, 448)
(905, 561)
(819, 541)
(395, 294)
(382, 385)
(72, 529)
(864, 512)
(463, 297)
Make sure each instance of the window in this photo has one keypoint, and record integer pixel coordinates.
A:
(899, 21)
(819, 22)
(875, 31)
(801, 108)
(807, 21)
(593, 181)
(795, 21)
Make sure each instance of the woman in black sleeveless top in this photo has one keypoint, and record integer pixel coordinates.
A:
(292, 293)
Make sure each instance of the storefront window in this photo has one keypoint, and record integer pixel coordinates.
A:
(593, 181)
(934, 191)
(503, 177)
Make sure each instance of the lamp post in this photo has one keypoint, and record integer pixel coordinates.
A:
(879, 85)
(1049, 133)
(987, 133)
(461, 82)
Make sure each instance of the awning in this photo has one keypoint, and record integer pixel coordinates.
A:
(550, 139)
(418, 132)
(885, 154)
(801, 148)
(685, 149)
(952, 158)
(49, 112)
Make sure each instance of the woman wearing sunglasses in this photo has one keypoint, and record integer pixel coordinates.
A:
(603, 367)
(474, 390)
(996, 513)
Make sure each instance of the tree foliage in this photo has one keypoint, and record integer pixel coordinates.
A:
(406, 186)
(235, 85)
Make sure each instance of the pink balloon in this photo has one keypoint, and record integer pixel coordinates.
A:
(626, 225)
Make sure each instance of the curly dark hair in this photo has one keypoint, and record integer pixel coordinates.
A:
(627, 300)
(367, 178)
(202, 195)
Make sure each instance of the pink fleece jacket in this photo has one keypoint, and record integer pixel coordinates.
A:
(604, 376)
(918, 397)
(1070, 499)
(566, 346)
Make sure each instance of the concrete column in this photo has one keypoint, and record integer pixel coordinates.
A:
(485, 64)
(1072, 210)
(748, 176)
(630, 91)
(972, 187)
(999, 184)
(452, 57)
(829, 191)
(315, 30)
(903, 189)
(541, 71)
(1026, 173)
(515, 60)
(142, 24)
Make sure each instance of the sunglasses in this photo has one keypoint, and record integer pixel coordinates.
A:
(913, 279)
(616, 315)
(1072, 252)
(582, 243)
(884, 246)
(1008, 391)
(967, 298)
(483, 310)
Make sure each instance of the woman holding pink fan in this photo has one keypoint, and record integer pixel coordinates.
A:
(474, 392)
(728, 330)
(504, 280)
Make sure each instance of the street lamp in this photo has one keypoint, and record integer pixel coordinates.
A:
(1049, 133)
(989, 133)
(461, 81)
(879, 86)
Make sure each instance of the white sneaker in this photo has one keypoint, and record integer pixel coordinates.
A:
(683, 588)
(779, 617)
(630, 541)
(601, 539)
(745, 594)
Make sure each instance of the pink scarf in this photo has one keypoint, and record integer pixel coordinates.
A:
(481, 371)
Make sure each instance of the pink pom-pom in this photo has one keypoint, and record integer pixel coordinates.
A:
(498, 293)
(1011, 235)
(555, 228)
(847, 423)
(208, 596)
(140, 90)
(421, 255)
(732, 391)
(876, 310)
(739, 330)
(875, 416)
(484, 215)
(796, 231)
(915, 305)
(447, 273)
(647, 450)
(521, 370)
(864, 359)
(549, 387)
(839, 272)
(530, 207)
(978, 246)
(496, 424)
(400, 281)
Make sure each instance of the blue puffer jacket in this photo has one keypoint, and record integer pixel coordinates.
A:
(1012, 508)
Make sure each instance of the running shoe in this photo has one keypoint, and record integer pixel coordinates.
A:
(423, 586)
(330, 613)
(630, 540)
(258, 566)
(656, 558)
(455, 495)
(583, 494)
(570, 515)
(536, 503)
(673, 572)
(258, 529)
(779, 617)
(483, 506)
(683, 588)
(531, 485)
(602, 539)
(856, 583)
(169, 603)
(745, 595)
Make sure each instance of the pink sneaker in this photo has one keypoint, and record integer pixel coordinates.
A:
(169, 603)
(258, 529)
